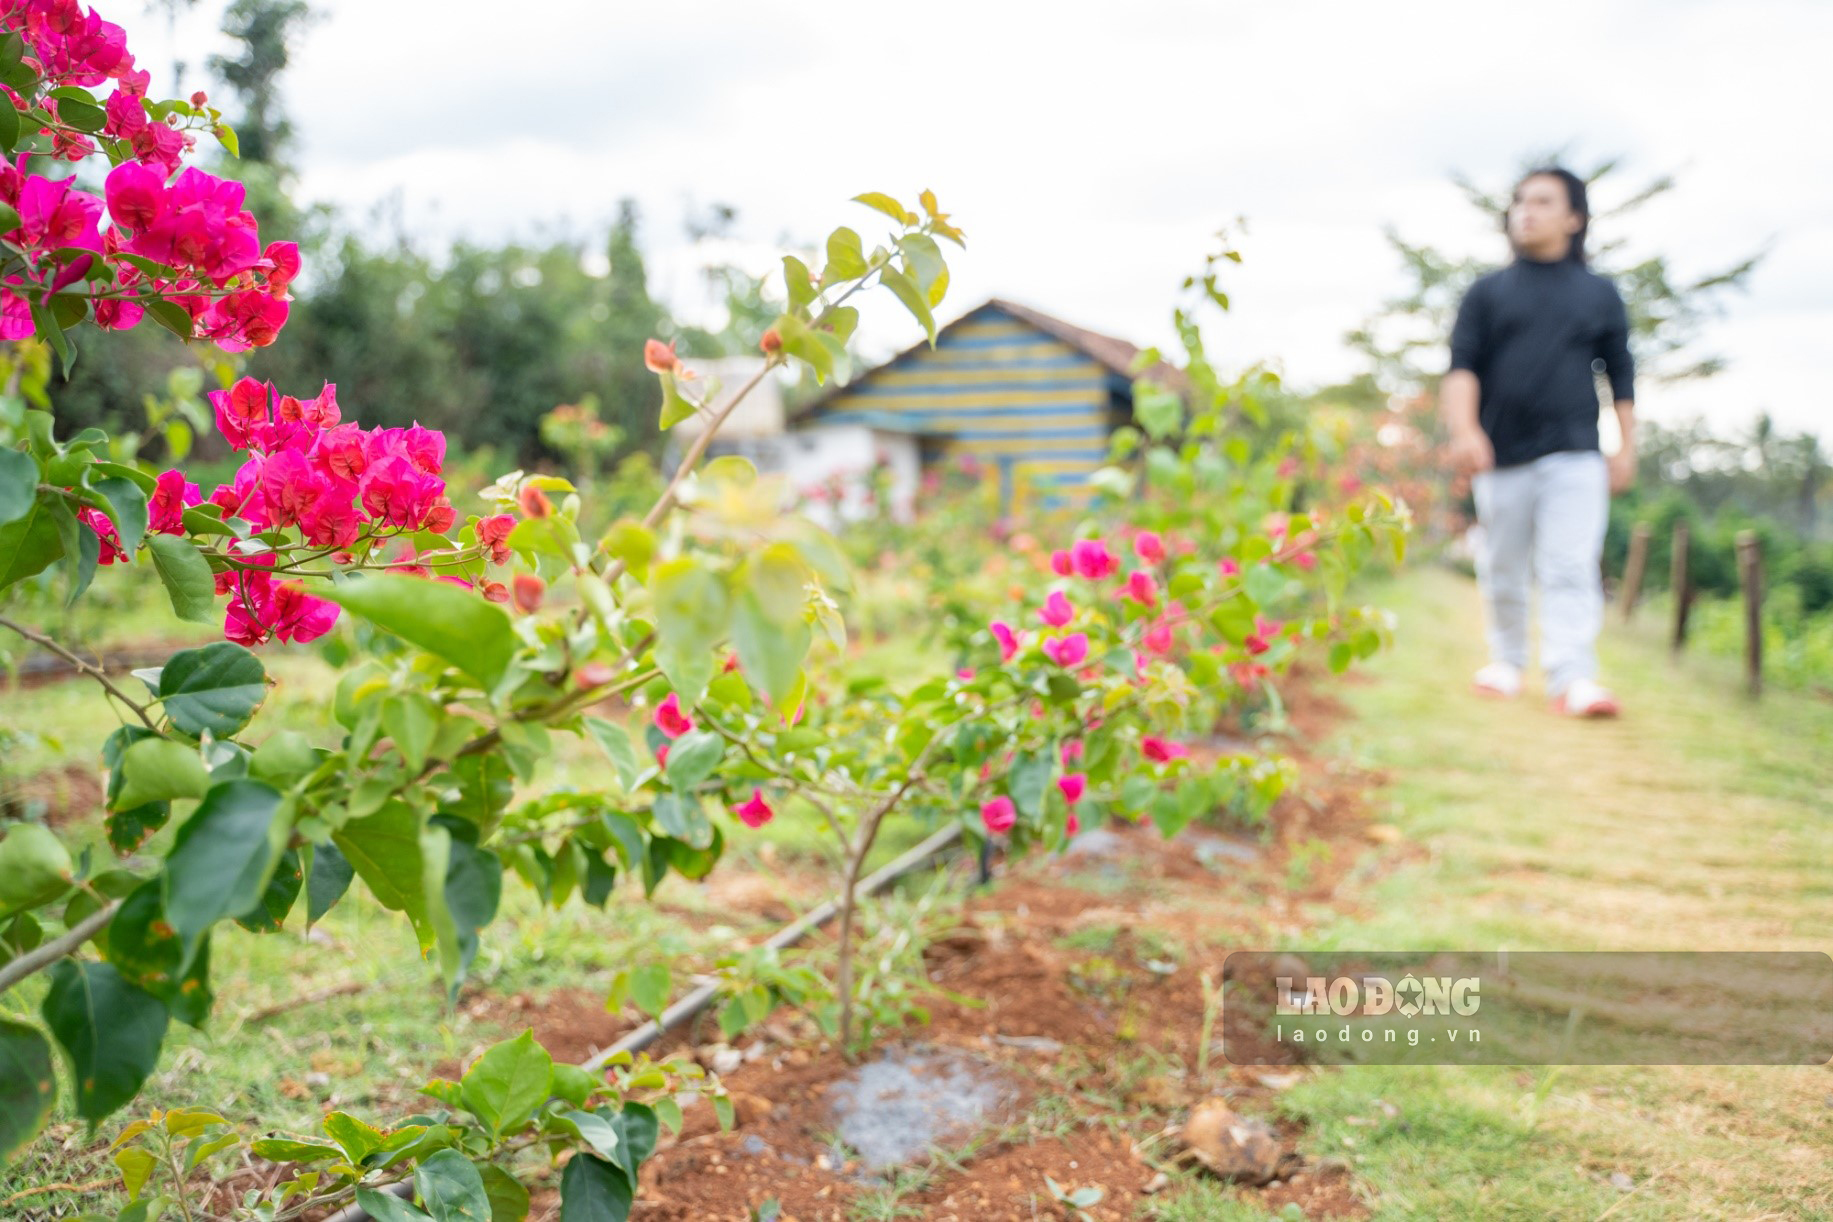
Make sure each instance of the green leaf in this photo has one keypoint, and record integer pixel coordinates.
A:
(681, 817)
(158, 770)
(691, 607)
(636, 1136)
(616, 744)
(923, 259)
(358, 1139)
(411, 720)
(387, 1207)
(28, 1085)
(289, 1150)
(214, 690)
(451, 1188)
(385, 851)
(915, 299)
(110, 1030)
(1028, 781)
(84, 116)
(1265, 584)
(845, 259)
(595, 1130)
(18, 478)
(508, 1198)
(169, 315)
(592, 1190)
(282, 891)
(187, 577)
(890, 207)
(508, 1083)
(222, 858)
(451, 623)
(327, 880)
(30, 543)
(147, 952)
(125, 505)
(1159, 412)
(35, 867)
(9, 136)
(798, 282)
(769, 650)
(473, 889)
(692, 758)
(48, 330)
(649, 988)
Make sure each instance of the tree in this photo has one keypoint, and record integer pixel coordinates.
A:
(1405, 338)
(264, 29)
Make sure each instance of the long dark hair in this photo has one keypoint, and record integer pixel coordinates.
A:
(1576, 199)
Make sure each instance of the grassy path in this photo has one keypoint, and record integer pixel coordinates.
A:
(1698, 821)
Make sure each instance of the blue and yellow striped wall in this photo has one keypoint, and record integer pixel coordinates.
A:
(1034, 409)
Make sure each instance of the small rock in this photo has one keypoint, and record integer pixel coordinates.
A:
(1621, 1182)
(1158, 1183)
(1233, 1146)
(1279, 1081)
(1029, 1043)
(1383, 833)
(720, 1058)
(748, 1108)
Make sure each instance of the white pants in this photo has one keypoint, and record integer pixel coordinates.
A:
(1544, 520)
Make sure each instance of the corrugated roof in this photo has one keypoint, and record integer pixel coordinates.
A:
(1111, 352)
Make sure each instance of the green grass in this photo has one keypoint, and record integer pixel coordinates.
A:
(1698, 821)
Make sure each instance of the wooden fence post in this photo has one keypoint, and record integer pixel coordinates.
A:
(1750, 576)
(1680, 584)
(1632, 569)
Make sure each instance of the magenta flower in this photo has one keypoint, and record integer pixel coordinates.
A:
(1060, 563)
(1161, 751)
(670, 719)
(1057, 611)
(1008, 641)
(1158, 638)
(1092, 560)
(1072, 825)
(1148, 546)
(998, 814)
(754, 811)
(1228, 566)
(1073, 785)
(1072, 751)
(1141, 588)
(1067, 651)
(172, 495)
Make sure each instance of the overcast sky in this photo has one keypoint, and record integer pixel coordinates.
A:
(1091, 150)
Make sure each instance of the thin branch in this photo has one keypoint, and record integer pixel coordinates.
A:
(17, 970)
(94, 672)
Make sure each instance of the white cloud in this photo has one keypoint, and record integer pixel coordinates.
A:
(1091, 152)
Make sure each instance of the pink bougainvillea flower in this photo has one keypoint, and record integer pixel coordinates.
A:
(1228, 566)
(965, 673)
(1141, 588)
(1071, 752)
(493, 533)
(526, 592)
(172, 495)
(1067, 651)
(1159, 638)
(1160, 750)
(670, 719)
(534, 503)
(1091, 559)
(282, 259)
(998, 814)
(659, 357)
(1288, 467)
(1148, 546)
(1008, 642)
(1306, 560)
(1073, 785)
(1057, 612)
(104, 529)
(662, 755)
(496, 592)
(1072, 825)
(297, 616)
(754, 811)
(242, 413)
(1060, 563)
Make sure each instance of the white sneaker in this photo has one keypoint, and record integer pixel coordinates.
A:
(1498, 680)
(1584, 698)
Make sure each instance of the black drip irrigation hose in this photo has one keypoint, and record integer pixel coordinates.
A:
(690, 1006)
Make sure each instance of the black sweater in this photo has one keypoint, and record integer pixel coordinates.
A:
(1530, 333)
